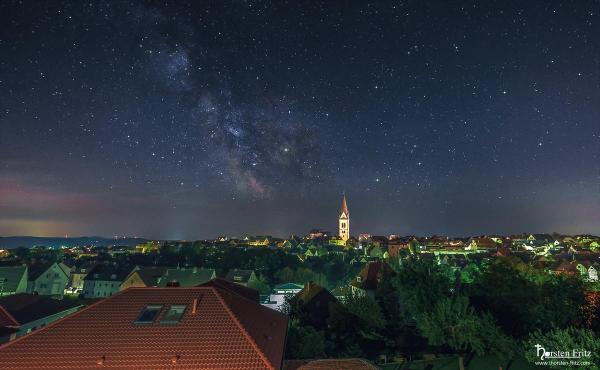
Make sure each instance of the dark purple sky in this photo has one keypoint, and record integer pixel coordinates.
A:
(194, 119)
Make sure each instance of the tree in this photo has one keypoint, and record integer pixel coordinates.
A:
(304, 341)
(568, 339)
(523, 298)
(366, 310)
(285, 275)
(355, 327)
(454, 323)
(422, 284)
(260, 284)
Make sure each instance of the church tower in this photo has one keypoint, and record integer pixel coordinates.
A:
(344, 220)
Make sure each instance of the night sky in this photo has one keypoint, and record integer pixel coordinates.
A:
(193, 119)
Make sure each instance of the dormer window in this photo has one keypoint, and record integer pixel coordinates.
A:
(174, 314)
(148, 314)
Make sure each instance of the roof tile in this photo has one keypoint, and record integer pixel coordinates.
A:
(227, 332)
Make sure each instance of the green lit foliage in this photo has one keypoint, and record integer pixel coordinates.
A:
(260, 284)
(301, 275)
(523, 299)
(304, 341)
(355, 327)
(454, 323)
(469, 273)
(366, 310)
(422, 283)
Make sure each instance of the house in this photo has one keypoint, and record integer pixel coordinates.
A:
(24, 313)
(280, 293)
(47, 279)
(370, 277)
(104, 280)
(148, 247)
(258, 241)
(587, 269)
(288, 244)
(78, 273)
(186, 277)
(336, 240)
(395, 247)
(542, 238)
(242, 277)
(566, 268)
(317, 234)
(480, 243)
(593, 273)
(503, 251)
(314, 304)
(157, 328)
(380, 241)
(143, 277)
(13, 279)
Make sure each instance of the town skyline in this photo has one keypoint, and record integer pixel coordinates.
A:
(343, 223)
(343, 232)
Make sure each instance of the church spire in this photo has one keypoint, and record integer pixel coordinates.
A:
(344, 209)
(344, 220)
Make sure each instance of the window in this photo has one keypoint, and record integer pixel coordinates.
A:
(148, 314)
(174, 314)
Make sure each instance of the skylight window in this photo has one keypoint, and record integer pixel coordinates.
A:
(174, 314)
(148, 314)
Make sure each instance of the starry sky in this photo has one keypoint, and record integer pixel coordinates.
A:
(194, 119)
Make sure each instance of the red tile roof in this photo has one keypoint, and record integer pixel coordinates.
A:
(6, 319)
(25, 307)
(372, 274)
(251, 294)
(337, 364)
(227, 331)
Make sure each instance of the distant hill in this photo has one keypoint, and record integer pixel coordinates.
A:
(32, 241)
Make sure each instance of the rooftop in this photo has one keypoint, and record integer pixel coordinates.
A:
(26, 308)
(218, 330)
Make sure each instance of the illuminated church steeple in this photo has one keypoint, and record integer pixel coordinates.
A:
(344, 220)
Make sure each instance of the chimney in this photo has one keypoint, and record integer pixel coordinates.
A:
(194, 306)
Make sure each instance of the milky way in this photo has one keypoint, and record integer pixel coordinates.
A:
(194, 119)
